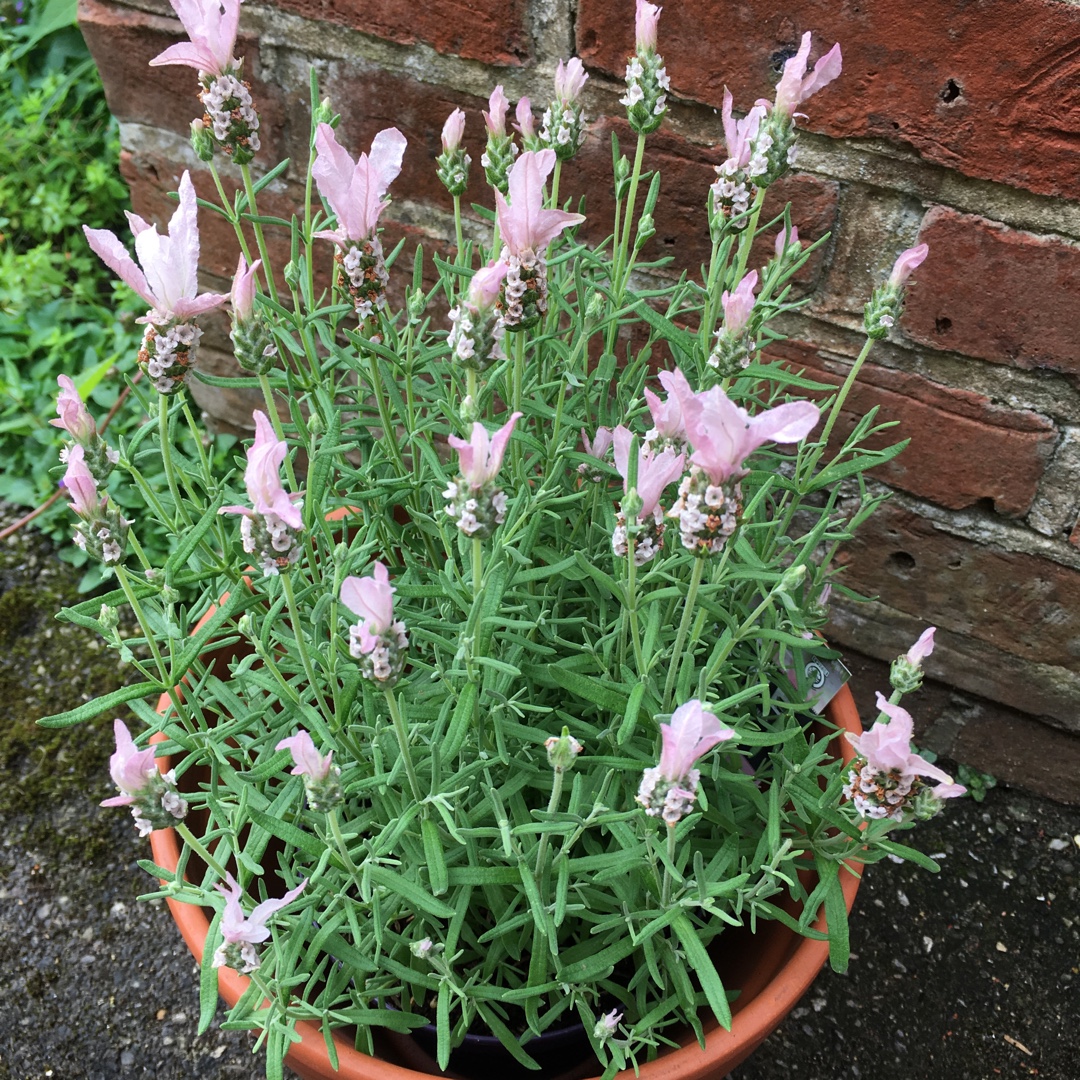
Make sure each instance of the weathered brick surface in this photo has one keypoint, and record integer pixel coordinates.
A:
(998, 293)
(492, 31)
(123, 41)
(989, 88)
(963, 449)
(1013, 603)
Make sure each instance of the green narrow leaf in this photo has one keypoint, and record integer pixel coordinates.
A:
(460, 721)
(629, 721)
(434, 856)
(102, 704)
(290, 834)
(836, 916)
(208, 976)
(701, 962)
(409, 891)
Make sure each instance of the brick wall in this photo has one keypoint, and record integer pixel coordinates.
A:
(955, 123)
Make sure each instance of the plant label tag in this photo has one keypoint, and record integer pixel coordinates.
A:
(824, 679)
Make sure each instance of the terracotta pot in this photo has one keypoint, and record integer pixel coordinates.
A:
(772, 968)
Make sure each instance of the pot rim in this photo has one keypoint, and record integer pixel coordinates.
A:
(751, 1022)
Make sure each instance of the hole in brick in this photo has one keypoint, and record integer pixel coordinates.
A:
(956, 563)
(951, 92)
(669, 241)
(943, 326)
(900, 562)
(588, 41)
(780, 58)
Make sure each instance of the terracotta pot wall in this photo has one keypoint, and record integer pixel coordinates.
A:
(954, 123)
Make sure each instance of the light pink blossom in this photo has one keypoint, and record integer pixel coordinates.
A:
(570, 80)
(654, 472)
(80, 483)
(599, 444)
(524, 223)
(168, 280)
(248, 931)
(211, 25)
(739, 304)
(262, 477)
(646, 18)
(453, 130)
(242, 296)
(132, 770)
(723, 435)
(739, 135)
(486, 284)
(74, 417)
(480, 458)
(667, 416)
(355, 190)
(526, 122)
(796, 86)
(887, 749)
(692, 733)
(922, 648)
(785, 240)
(907, 262)
(496, 118)
(372, 599)
(307, 760)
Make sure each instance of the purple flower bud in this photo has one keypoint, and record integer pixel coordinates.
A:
(453, 130)
(495, 120)
(739, 304)
(80, 482)
(646, 18)
(74, 417)
(907, 262)
(570, 80)
(526, 123)
(922, 648)
(243, 290)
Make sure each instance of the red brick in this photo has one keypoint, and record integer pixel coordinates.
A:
(123, 41)
(681, 215)
(1005, 601)
(1014, 62)
(963, 447)
(998, 293)
(492, 31)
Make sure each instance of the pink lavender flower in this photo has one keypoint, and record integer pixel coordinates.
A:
(242, 296)
(526, 123)
(486, 284)
(270, 525)
(321, 777)
(739, 135)
(475, 340)
(474, 500)
(906, 264)
(922, 648)
(654, 472)
(211, 25)
(796, 86)
(356, 190)
(495, 119)
(378, 641)
(668, 428)
(168, 280)
(884, 779)
(669, 789)
(73, 415)
(596, 447)
(738, 304)
(647, 17)
(81, 485)
(253, 341)
(607, 1025)
(735, 186)
(453, 131)
(242, 933)
(724, 435)
(525, 225)
(154, 801)
(570, 79)
(786, 240)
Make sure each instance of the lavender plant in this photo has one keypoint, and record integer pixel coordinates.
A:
(463, 717)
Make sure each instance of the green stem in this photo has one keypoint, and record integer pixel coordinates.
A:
(555, 176)
(458, 233)
(229, 212)
(723, 653)
(339, 840)
(403, 742)
(196, 845)
(144, 624)
(477, 566)
(631, 199)
(838, 404)
(166, 458)
(665, 897)
(684, 627)
(631, 601)
(264, 254)
(553, 806)
(301, 647)
(746, 241)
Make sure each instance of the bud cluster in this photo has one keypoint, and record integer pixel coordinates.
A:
(452, 167)
(523, 297)
(774, 149)
(648, 539)
(563, 128)
(475, 338)
(497, 159)
(158, 805)
(879, 793)
(708, 513)
(384, 662)
(230, 115)
(364, 275)
(732, 352)
(665, 798)
(477, 511)
(168, 353)
(882, 310)
(647, 84)
(99, 456)
(253, 344)
(267, 536)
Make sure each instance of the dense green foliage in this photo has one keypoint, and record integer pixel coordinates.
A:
(60, 312)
